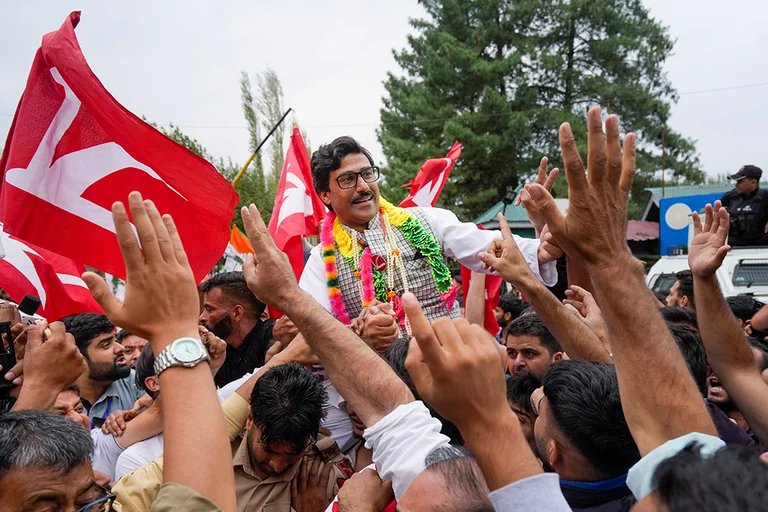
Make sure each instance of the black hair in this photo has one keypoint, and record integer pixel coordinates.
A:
(532, 325)
(761, 345)
(235, 289)
(744, 307)
(463, 481)
(328, 158)
(287, 405)
(583, 397)
(37, 439)
(512, 304)
(86, 326)
(685, 286)
(732, 480)
(694, 353)
(680, 315)
(121, 335)
(145, 367)
(396, 356)
(520, 387)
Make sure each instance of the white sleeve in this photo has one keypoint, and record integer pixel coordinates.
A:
(313, 278)
(106, 450)
(229, 389)
(537, 492)
(462, 241)
(401, 441)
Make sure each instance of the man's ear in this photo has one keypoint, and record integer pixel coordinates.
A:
(325, 197)
(553, 453)
(685, 302)
(237, 313)
(507, 317)
(558, 357)
(152, 383)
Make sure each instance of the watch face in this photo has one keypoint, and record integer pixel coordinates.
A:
(187, 350)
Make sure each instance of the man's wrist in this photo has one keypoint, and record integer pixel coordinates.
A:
(162, 340)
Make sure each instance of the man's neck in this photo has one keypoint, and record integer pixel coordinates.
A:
(241, 330)
(737, 417)
(90, 389)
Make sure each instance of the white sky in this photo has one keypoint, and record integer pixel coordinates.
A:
(180, 62)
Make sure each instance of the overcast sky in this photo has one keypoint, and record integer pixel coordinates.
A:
(180, 62)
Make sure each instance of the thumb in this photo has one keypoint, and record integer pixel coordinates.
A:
(102, 294)
(546, 205)
(490, 260)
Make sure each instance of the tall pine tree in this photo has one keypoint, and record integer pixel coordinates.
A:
(502, 75)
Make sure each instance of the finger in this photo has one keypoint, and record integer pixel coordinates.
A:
(696, 223)
(314, 472)
(178, 247)
(303, 474)
(448, 335)
(541, 178)
(574, 166)
(528, 202)
(418, 369)
(715, 221)
(422, 331)
(325, 475)
(129, 246)
(17, 371)
(506, 233)
(551, 179)
(628, 164)
(295, 489)
(613, 148)
(597, 157)
(256, 230)
(548, 208)
(144, 228)
(573, 310)
(577, 306)
(161, 232)
(721, 254)
(466, 334)
(722, 231)
(103, 295)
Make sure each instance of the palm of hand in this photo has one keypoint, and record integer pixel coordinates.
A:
(702, 252)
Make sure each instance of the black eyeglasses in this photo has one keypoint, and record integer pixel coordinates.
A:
(349, 179)
(101, 504)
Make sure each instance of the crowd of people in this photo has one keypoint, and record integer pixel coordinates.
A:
(373, 393)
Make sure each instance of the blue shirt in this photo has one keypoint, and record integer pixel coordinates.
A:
(119, 396)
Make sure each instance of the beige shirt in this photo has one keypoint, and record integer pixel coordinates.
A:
(137, 490)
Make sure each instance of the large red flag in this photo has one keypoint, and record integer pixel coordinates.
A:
(426, 187)
(73, 150)
(53, 279)
(298, 209)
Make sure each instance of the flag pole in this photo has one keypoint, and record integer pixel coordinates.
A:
(253, 155)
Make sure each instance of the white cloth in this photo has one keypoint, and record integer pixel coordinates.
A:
(106, 451)
(640, 476)
(401, 441)
(138, 454)
(461, 241)
(229, 389)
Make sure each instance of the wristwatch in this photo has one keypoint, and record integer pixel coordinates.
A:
(187, 352)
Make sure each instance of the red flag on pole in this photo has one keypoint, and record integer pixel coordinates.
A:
(53, 279)
(298, 209)
(432, 177)
(73, 150)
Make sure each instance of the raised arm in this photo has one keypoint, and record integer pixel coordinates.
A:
(474, 302)
(652, 373)
(364, 379)
(727, 350)
(161, 304)
(574, 336)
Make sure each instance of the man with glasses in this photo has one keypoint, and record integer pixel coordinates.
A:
(39, 470)
(372, 252)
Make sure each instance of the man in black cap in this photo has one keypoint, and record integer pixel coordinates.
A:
(747, 204)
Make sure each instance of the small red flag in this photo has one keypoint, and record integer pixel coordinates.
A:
(432, 177)
(73, 151)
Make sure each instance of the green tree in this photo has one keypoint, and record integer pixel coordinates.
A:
(501, 76)
(253, 185)
(270, 105)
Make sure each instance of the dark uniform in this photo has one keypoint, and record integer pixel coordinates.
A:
(749, 213)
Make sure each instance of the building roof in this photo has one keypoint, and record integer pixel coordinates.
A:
(515, 215)
(640, 230)
(655, 194)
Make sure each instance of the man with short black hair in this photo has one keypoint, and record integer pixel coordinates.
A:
(45, 461)
(531, 348)
(232, 312)
(509, 308)
(132, 346)
(581, 433)
(681, 316)
(747, 205)
(520, 387)
(109, 384)
(681, 293)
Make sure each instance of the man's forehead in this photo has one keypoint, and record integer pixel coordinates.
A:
(102, 337)
(520, 342)
(66, 398)
(352, 163)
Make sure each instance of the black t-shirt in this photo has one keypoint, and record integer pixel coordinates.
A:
(749, 215)
(248, 356)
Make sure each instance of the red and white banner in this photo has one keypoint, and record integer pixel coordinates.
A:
(298, 209)
(432, 177)
(53, 279)
(73, 151)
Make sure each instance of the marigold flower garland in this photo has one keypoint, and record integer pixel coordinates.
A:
(374, 282)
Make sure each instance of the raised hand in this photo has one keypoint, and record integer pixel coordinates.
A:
(595, 229)
(505, 257)
(115, 422)
(268, 271)
(217, 349)
(524, 198)
(707, 249)
(161, 299)
(584, 304)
